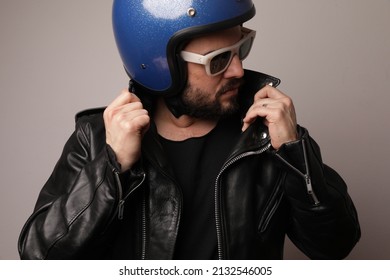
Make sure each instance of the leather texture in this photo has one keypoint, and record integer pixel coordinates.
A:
(260, 195)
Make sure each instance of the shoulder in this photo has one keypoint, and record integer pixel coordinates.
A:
(89, 114)
(90, 122)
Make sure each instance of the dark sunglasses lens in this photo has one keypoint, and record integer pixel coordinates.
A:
(219, 62)
(245, 48)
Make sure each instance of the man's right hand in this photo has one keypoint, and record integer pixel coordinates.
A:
(126, 122)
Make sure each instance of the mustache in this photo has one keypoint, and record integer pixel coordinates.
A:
(230, 85)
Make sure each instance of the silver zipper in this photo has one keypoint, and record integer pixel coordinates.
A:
(122, 200)
(143, 248)
(121, 208)
(309, 187)
(217, 194)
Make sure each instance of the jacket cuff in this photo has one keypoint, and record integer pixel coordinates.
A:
(302, 158)
(292, 152)
(127, 177)
(112, 158)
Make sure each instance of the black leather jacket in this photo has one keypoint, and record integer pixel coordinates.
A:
(87, 210)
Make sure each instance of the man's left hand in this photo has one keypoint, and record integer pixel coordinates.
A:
(278, 112)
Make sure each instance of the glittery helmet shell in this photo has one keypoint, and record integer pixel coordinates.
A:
(150, 34)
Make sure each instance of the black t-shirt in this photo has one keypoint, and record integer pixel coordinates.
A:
(196, 163)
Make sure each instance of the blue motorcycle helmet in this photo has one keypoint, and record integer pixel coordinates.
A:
(151, 33)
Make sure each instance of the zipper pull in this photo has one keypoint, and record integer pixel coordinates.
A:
(121, 204)
(121, 209)
(310, 190)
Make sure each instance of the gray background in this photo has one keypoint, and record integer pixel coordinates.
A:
(59, 57)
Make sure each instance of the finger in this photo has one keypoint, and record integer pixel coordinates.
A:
(266, 103)
(259, 109)
(245, 127)
(126, 113)
(124, 98)
(119, 113)
(252, 114)
(128, 107)
(268, 109)
(143, 122)
(137, 121)
(268, 92)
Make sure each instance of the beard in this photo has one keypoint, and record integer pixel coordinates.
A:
(203, 105)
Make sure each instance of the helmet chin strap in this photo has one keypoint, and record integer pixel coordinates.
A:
(175, 105)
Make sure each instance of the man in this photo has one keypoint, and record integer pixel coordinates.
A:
(201, 159)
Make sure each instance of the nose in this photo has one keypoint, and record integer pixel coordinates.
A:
(235, 69)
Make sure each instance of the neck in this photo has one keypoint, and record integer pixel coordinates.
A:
(182, 128)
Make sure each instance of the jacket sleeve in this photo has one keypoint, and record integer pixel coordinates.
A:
(324, 222)
(78, 202)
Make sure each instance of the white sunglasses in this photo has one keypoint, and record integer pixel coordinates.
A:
(218, 61)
